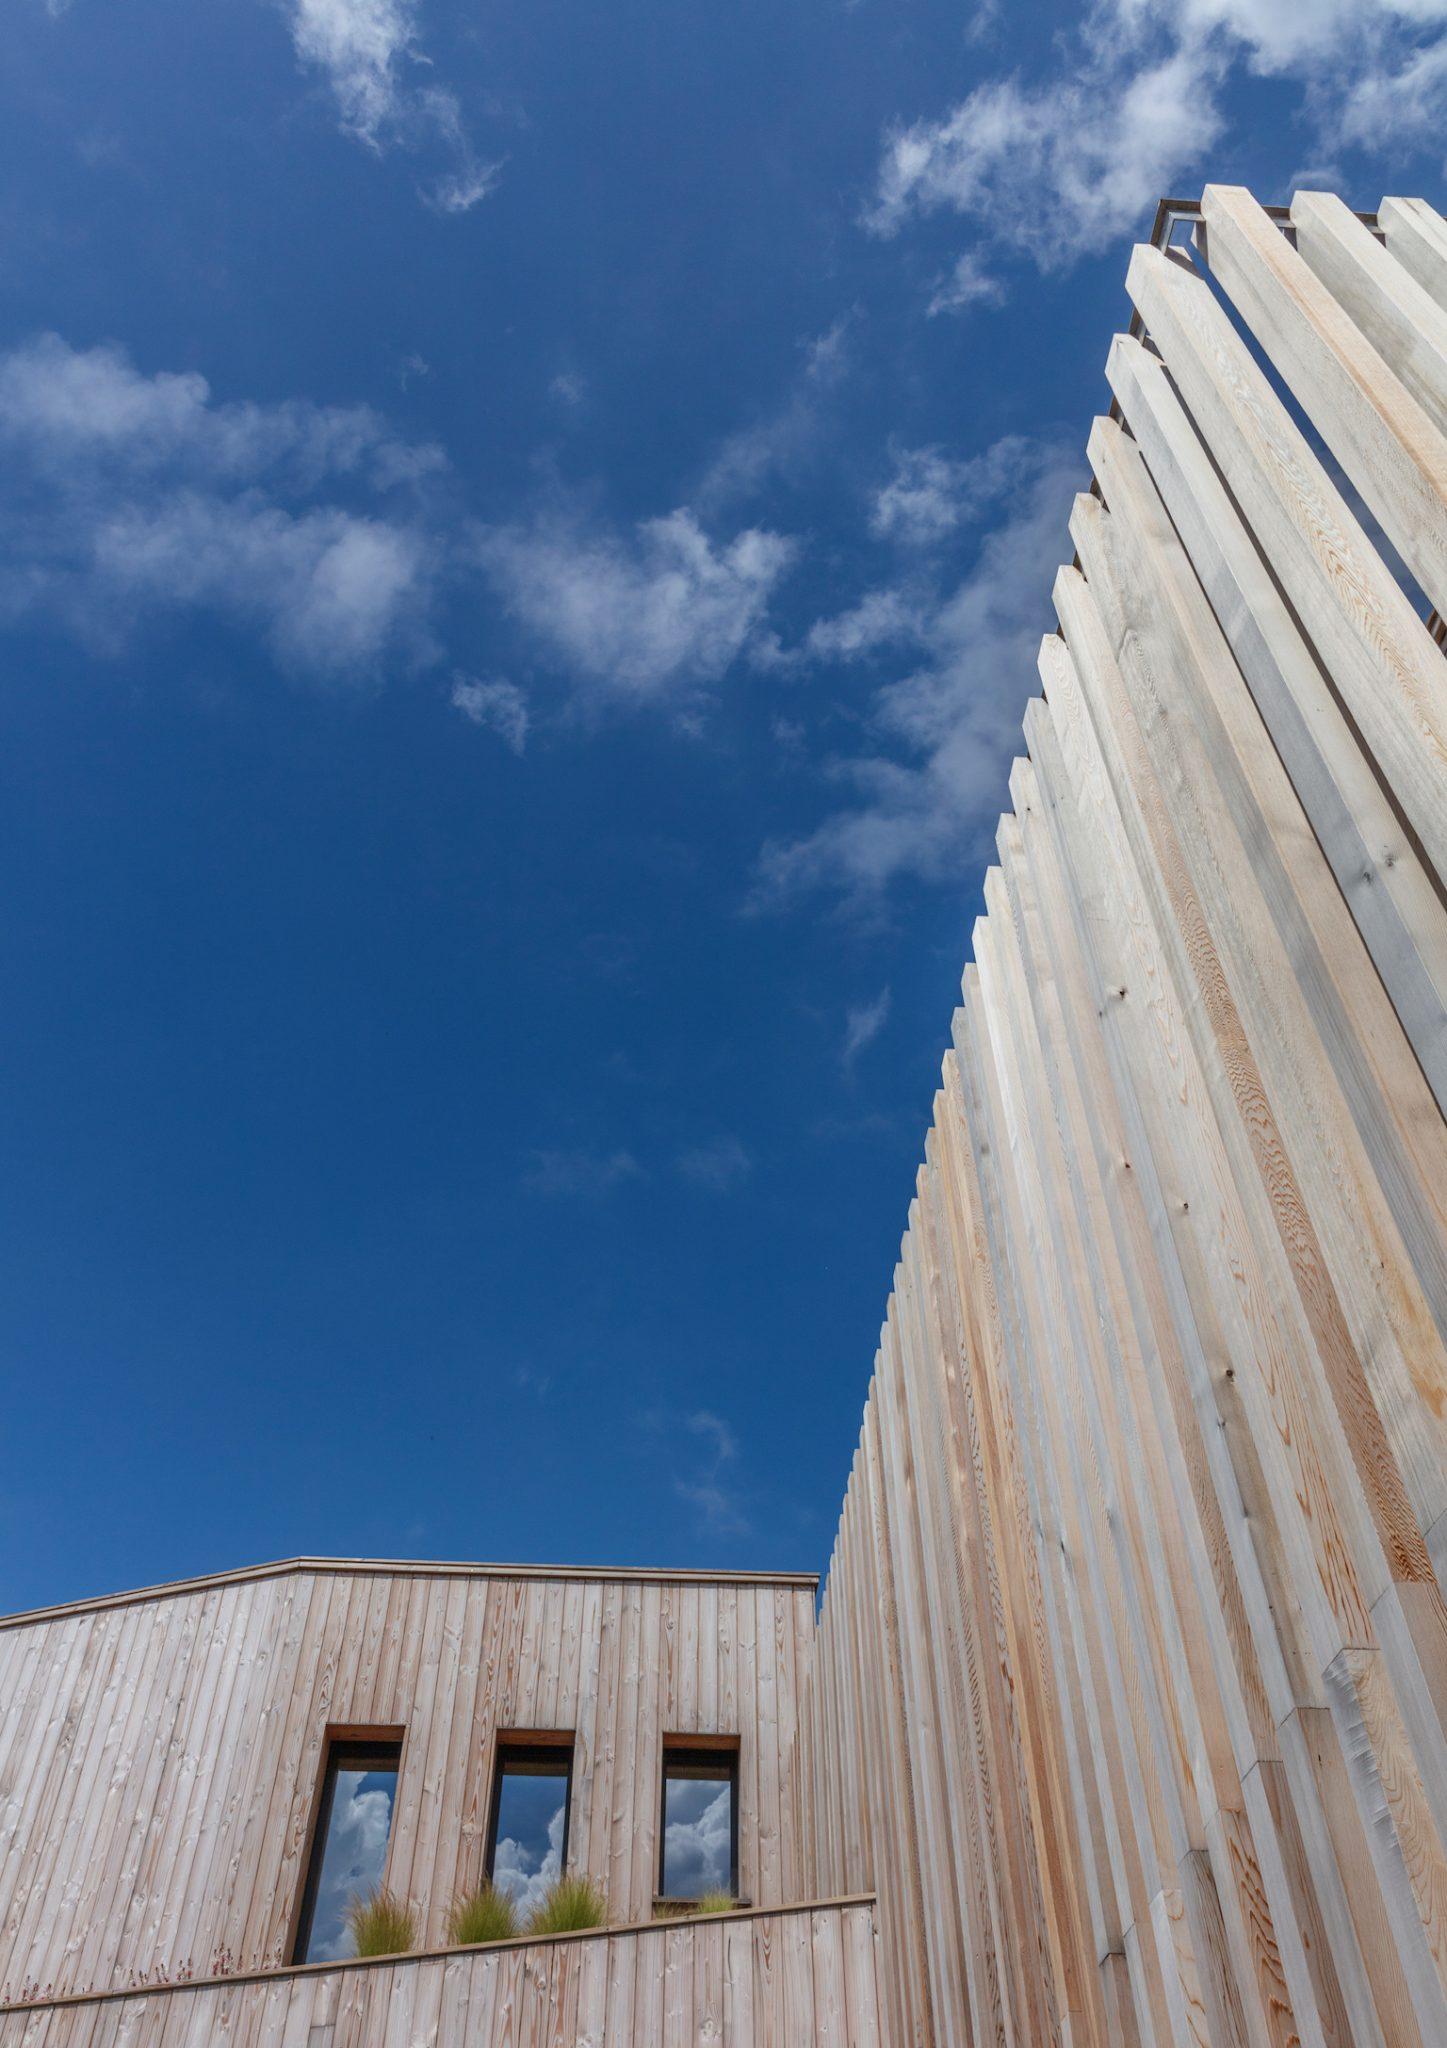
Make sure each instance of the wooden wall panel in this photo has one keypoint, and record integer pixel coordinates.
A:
(798, 1979)
(160, 1755)
(1130, 1691)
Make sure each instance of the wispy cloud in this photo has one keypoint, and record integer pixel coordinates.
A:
(720, 1166)
(967, 283)
(717, 1506)
(125, 497)
(882, 618)
(498, 704)
(1056, 170)
(703, 1422)
(648, 616)
(931, 493)
(925, 793)
(705, 1486)
(929, 496)
(862, 1025)
(562, 1171)
(369, 51)
(1061, 166)
(1405, 100)
(782, 441)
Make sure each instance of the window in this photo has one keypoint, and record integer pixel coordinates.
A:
(349, 1840)
(527, 1843)
(700, 1847)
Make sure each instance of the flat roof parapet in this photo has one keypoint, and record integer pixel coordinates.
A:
(420, 1568)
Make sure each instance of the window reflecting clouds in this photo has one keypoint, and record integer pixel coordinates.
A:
(350, 1851)
(699, 1839)
(530, 1822)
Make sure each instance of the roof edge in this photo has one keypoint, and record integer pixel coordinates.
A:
(391, 1567)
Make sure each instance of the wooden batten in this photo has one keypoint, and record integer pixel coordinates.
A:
(1155, 1455)
(161, 1756)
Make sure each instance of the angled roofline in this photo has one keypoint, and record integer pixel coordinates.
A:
(412, 1568)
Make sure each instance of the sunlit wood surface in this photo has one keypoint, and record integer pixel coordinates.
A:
(160, 1755)
(1132, 1672)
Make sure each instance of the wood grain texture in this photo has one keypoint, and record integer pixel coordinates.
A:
(160, 1757)
(797, 1978)
(1148, 1744)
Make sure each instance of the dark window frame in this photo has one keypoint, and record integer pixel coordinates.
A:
(715, 1757)
(344, 1748)
(551, 1752)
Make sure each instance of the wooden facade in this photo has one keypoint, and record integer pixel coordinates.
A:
(161, 1754)
(797, 1978)
(1132, 1670)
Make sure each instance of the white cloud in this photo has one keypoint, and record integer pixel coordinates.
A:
(704, 1485)
(719, 1166)
(60, 406)
(1407, 101)
(930, 494)
(577, 1172)
(1283, 35)
(862, 1025)
(641, 618)
(966, 284)
(928, 793)
(361, 45)
(1060, 166)
(498, 704)
(328, 589)
(1059, 169)
(125, 497)
(882, 618)
(366, 48)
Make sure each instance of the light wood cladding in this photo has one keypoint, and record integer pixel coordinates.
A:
(794, 1979)
(1132, 1667)
(160, 1756)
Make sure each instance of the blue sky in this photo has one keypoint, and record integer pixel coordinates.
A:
(522, 536)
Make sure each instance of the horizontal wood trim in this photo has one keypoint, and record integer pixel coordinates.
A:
(408, 1568)
(432, 1955)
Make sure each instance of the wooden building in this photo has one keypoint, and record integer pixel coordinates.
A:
(1124, 1719)
(1131, 1679)
(168, 1765)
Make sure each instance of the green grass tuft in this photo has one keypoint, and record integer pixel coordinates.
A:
(484, 1915)
(568, 1904)
(715, 1902)
(382, 1924)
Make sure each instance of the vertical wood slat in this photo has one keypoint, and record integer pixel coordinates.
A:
(1177, 1260)
(803, 1978)
(160, 1760)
